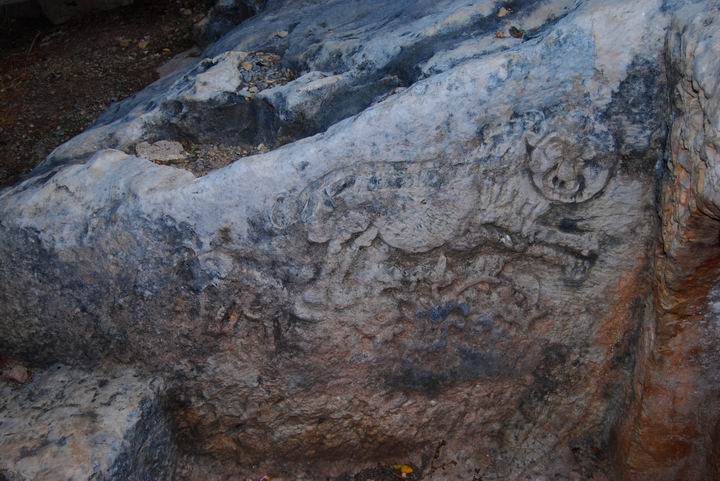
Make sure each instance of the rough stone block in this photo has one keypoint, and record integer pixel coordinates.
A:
(68, 424)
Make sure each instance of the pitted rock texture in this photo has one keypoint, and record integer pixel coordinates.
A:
(462, 269)
(345, 59)
(672, 432)
(70, 424)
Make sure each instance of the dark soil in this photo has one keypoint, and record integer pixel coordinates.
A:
(379, 473)
(56, 79)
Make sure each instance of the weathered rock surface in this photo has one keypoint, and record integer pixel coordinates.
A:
(223, 16)
(68, 424)
(673, 431)
(468, 268)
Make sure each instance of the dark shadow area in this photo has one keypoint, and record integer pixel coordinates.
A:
(55, 80)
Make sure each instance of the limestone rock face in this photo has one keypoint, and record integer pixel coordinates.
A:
(451, 257)
(673, 430)
(71, 424)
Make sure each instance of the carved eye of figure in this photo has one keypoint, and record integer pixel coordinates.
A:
(567, 172)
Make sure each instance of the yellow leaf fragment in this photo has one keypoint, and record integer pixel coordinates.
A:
(502, 12)
(404, 469)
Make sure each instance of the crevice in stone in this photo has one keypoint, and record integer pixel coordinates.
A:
(217, 132)
(250, 121)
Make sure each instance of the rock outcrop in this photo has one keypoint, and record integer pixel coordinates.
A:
(71, 424)
(674, 427)
(483, 242)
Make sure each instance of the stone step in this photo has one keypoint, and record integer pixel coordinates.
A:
(68, 424)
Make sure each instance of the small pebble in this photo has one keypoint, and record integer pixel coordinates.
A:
(17, 374)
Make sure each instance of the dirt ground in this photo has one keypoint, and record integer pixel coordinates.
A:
(380, 473)
(56, 79)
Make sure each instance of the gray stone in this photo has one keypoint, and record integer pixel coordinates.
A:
(452, 263)
(73, 424)
(162, 151)
(178, 62)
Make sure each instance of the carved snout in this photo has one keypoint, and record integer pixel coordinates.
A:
(565, 172)
(565, 179)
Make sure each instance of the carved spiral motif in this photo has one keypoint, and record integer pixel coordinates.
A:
(566, 171)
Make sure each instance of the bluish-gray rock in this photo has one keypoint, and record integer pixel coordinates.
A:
(448, 258)
(71, 424)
